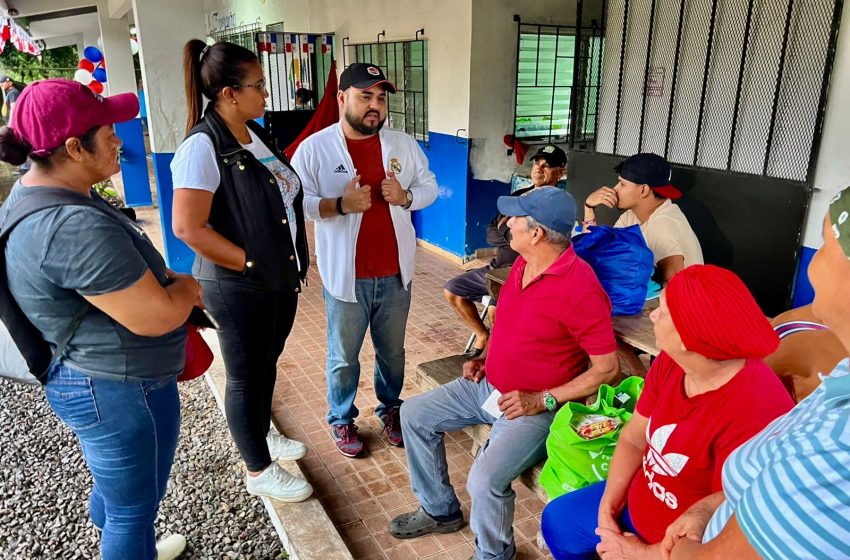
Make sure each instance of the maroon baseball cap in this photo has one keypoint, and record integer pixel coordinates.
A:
(48, 112)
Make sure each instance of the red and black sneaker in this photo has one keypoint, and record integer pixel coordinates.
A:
(392, 427)
(347, 440)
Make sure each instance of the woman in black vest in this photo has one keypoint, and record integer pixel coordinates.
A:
(237, 204)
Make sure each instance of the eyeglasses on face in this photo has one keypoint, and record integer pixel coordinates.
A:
(259, 86)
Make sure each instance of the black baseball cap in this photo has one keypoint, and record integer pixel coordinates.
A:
(4, 78)
(649, 169)
(363, 76)
(554, 156)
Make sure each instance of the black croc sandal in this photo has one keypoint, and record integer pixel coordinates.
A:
(418, 523)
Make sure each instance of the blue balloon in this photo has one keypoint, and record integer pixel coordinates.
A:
(93, 54)
(99, 74)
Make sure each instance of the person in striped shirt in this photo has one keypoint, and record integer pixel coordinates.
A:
(786, 492)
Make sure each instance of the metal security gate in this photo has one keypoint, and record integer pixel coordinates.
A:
(294, 61)
(734, 85)
(405, 63)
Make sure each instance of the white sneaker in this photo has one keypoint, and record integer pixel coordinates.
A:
(275, 482)
(170, 547)
(285, 449)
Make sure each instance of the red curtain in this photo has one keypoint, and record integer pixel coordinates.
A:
(327, 113)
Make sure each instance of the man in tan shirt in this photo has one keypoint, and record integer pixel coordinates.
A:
(644, 191)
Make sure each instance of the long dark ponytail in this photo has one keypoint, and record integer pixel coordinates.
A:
(209, 69)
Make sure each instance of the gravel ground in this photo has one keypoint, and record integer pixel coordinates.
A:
(44, 485)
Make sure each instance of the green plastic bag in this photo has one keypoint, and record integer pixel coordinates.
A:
(575, 462)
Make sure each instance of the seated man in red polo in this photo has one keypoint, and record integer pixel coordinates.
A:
(550, 164)
(553, 342)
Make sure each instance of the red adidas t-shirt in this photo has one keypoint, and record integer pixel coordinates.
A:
(377, 248)
(688, 439)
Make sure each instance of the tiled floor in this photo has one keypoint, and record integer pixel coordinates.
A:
(362, 495)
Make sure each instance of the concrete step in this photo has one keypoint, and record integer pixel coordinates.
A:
(305, 530)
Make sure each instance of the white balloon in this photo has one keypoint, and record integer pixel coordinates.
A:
(134, 46)
(100, 42)
(83, 76)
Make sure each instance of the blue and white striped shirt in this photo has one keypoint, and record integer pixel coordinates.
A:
(789, 486)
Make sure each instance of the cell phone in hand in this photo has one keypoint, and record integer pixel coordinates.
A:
(202, 318)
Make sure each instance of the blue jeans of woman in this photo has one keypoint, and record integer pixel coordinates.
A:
(569, 523)
(128, 433)
(254, 325)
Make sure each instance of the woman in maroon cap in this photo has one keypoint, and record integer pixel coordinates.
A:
(707, 393)
(93, 284)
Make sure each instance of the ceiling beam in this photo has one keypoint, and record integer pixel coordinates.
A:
(29, 8)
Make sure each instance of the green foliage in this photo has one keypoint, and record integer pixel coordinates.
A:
(25, 68)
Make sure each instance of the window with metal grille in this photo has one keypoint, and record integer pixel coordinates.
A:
(553, 63)
(242, 35)
(736, 85)
(405, 63)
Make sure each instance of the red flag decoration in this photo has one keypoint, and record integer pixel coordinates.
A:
(327, 113)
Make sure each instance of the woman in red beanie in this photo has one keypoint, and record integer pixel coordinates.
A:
(707, 393)
(786, 492)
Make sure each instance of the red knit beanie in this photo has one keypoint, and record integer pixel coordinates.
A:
(716, 315)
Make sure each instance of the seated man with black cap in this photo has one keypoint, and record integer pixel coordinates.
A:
(644, 191)
(550, 165)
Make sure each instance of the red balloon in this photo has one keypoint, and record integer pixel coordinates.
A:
(96, 87)
(86, 65)
(103, 63)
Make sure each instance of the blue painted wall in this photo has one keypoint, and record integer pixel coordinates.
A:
(443, 223)
(134, 163)
(803, 291)
(177, 254)
(480, 209)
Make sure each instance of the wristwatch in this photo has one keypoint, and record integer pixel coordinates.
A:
(550, 402)
(409, 196)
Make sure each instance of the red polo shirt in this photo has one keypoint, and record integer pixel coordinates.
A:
(546, 330)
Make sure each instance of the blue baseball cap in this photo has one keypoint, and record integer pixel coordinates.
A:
(649, 169)
(553, 207)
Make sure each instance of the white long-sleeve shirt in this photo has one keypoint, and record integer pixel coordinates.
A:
(325, 168)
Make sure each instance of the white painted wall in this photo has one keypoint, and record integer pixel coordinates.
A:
(120, 76)
(493, 74)
(447, 26)
(832, 170)
(164, 26)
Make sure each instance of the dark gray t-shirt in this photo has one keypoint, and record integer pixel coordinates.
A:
(57, 255)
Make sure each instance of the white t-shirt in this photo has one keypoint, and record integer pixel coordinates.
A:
(195, 167)
(667, 233)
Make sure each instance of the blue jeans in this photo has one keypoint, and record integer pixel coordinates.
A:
(382, 306)
(514, 446)
(128, 433)
(569, 522)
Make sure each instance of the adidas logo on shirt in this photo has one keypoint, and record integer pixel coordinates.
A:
(656, 462)
(340, 169)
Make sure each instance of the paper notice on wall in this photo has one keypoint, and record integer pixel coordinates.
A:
(654, 82)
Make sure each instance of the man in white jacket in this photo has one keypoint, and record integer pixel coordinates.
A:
(361, 183)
